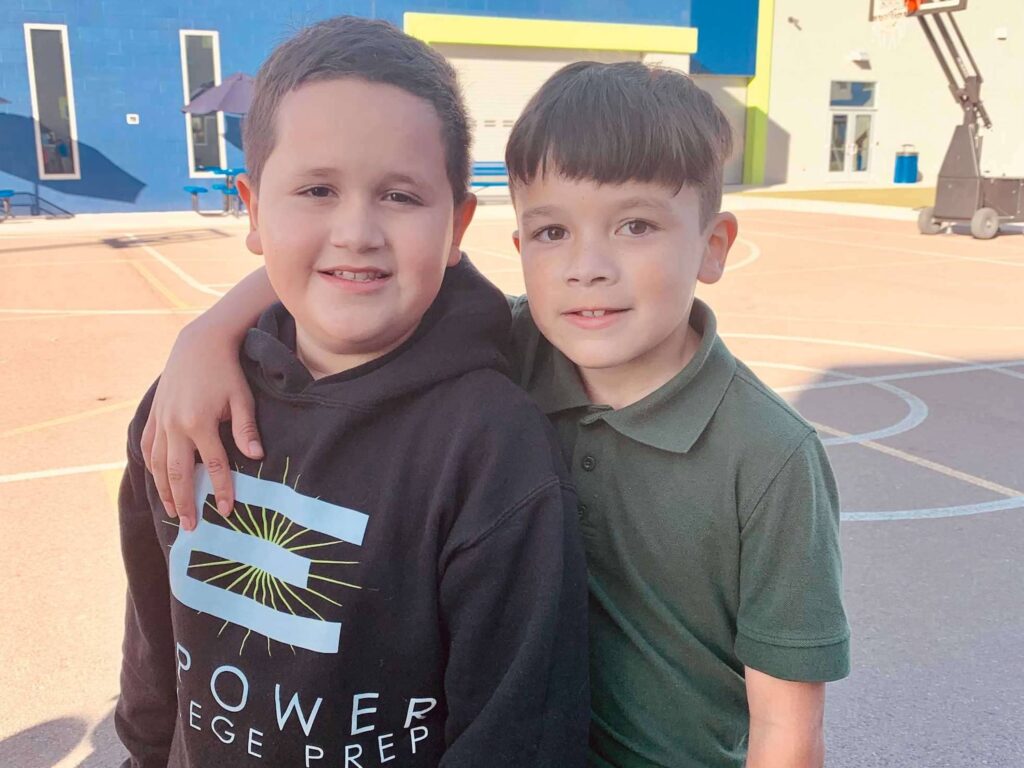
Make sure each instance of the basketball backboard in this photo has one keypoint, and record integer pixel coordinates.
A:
(882, 9)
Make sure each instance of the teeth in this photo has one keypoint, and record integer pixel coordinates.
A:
(359, 277)
(592, 312)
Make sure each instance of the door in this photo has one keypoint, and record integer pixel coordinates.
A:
(850, 145)
(498, 82)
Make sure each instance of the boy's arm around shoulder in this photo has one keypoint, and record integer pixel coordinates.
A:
(792, 632)
(513, 597)
(147, 708)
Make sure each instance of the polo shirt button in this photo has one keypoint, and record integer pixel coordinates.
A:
(588, 463)
(581, 510)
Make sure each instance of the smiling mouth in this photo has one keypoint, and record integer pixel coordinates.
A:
(357, 276)
(594, 313)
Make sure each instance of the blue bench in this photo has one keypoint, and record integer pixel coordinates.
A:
(232, 202)
(5, 203)
(490, 174)
(196, 192)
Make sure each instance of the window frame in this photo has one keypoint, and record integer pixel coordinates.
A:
(30, 63)
(221, 144)
(846, 175)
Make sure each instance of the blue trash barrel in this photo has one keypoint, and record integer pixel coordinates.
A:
(906, 165)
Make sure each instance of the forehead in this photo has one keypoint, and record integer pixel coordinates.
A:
(556, 193)
(350, 121)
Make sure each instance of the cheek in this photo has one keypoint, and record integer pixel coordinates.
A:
(538, 277)
(666, 287)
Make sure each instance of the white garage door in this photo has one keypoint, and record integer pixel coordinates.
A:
(498, 81)
(730, 94)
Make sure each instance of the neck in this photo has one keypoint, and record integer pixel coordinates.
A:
(321, 361)
(624, 385)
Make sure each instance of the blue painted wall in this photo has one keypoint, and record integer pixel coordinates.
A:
(125, 57)
(727, 42)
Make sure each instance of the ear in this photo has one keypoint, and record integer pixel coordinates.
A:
(515, 241)
(251, 199)
(463, 216)
(718, 239)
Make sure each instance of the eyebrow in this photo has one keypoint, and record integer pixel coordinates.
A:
(320, 173)
(643, 202)
(325, 172)
(404, 178)
(541, 211)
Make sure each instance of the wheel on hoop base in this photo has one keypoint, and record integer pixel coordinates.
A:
(926, 223)
(985, 224)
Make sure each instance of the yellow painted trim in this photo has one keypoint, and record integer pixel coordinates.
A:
(68, 419)
(544, 33)
(159, 287)
(758, 97)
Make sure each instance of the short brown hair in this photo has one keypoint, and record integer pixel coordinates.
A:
(348, 46)
(613, 123)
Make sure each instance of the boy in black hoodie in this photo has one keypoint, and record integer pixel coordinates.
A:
(402, 578)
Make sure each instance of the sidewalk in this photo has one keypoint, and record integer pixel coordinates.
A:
(892, 204)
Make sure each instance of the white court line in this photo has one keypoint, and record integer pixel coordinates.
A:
(894, 249)
(45, 474)
(917, 410)
(898, 323)
(935, 513)
(942, 469)
(755, 254)
(491, 252)
(100, 312)
(866, 345)
(896, 376)
(185, 276)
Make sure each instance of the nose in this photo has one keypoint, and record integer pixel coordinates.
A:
(590, 263)
(356, 226)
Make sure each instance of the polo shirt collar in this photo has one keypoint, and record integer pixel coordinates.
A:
(674, 416)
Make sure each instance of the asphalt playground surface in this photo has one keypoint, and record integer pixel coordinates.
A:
(907, 353)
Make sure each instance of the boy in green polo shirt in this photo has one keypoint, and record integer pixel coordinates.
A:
(707, 505)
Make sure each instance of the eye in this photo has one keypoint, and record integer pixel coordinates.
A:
(637, 227)
(403, 198)
(550, 234)
(319, 191)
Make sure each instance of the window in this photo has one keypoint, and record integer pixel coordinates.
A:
(53, 100)
(849, 95)
(851, 107)
(200, 68)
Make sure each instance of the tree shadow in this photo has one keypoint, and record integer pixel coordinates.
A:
(42, 745)
(100, 177)
(107, 750)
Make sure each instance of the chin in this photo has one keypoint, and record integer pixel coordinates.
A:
(595, 359)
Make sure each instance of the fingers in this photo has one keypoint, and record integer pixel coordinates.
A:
(180, 476)
(146, 443)
(243, 425)
(158, 466)
(211, 450)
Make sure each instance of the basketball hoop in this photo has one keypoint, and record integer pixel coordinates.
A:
(889, 20)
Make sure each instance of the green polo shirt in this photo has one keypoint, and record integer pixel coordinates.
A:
(711, 521)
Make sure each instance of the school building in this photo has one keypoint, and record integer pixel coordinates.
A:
(816, 94)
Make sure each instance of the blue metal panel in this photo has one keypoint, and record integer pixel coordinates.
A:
(728, 36)
(125, 57)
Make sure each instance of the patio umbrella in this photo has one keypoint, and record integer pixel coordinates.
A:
(233, 95)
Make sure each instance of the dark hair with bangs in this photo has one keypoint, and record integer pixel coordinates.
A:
(348, 46)
(613, 123)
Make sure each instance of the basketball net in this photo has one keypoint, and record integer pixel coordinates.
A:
(890, 22)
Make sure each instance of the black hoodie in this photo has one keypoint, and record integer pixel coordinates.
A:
(401, 581)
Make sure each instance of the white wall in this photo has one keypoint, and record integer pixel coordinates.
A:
(730, 94)
(914, 105)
